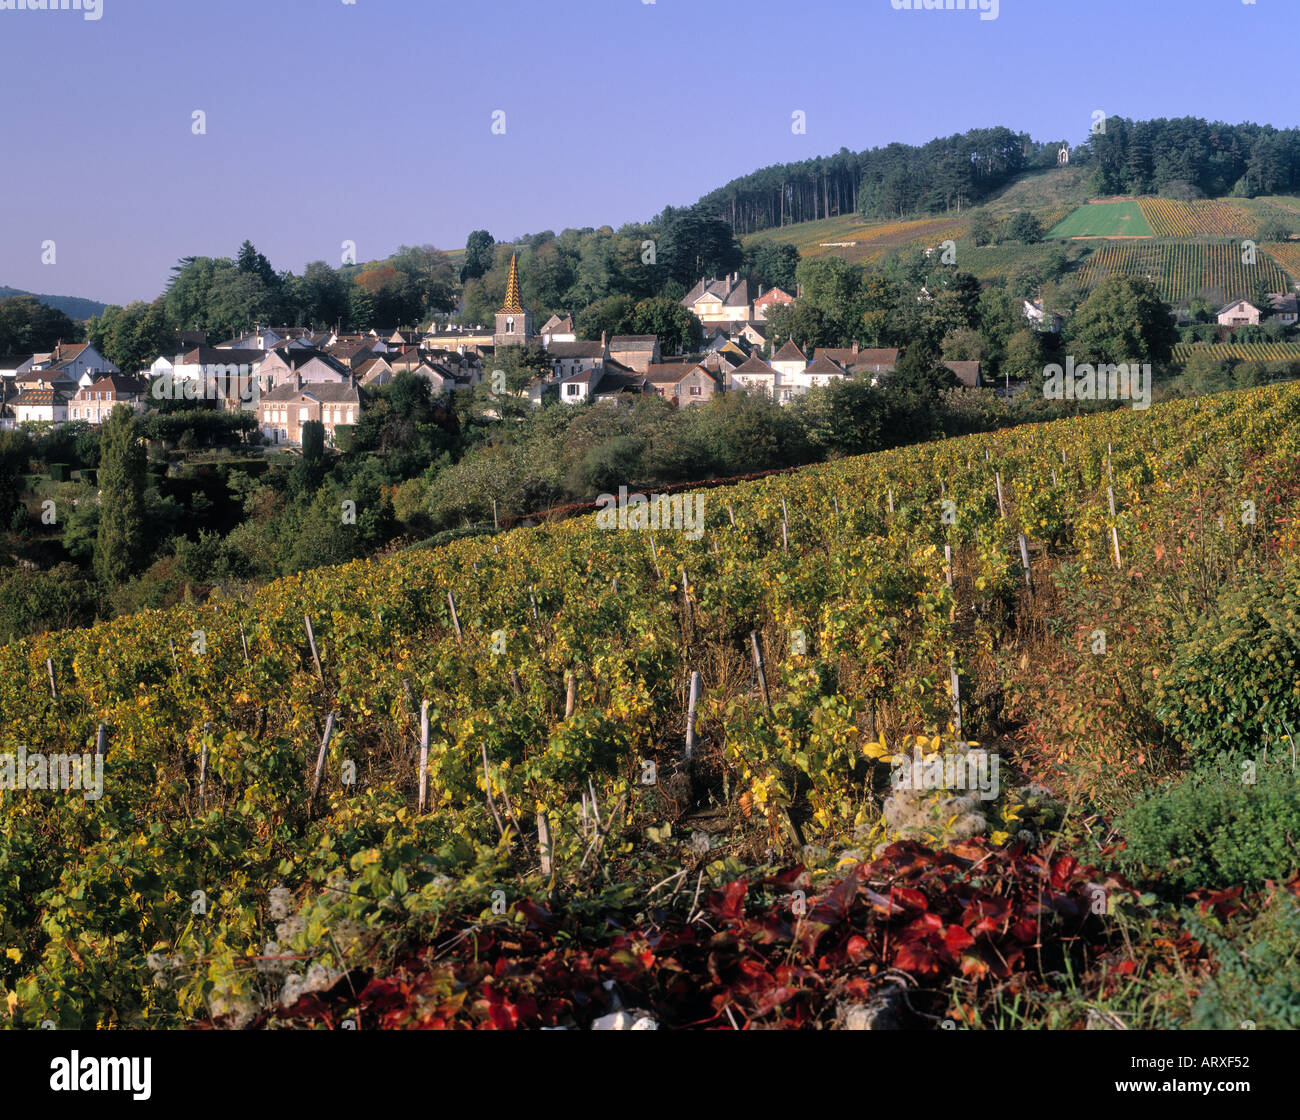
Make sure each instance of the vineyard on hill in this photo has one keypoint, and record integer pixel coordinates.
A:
(1187, 270)
(1243, 351)
(848, 236)
(259, 855)
(1168, 217)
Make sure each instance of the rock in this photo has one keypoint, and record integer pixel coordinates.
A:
(882, 1012)
(625, 1021)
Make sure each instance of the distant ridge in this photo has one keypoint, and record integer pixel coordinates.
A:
(72, 306)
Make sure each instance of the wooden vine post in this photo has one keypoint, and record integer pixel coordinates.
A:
(320, 763)
(315, 655)
(455, 620)
(544, 845)
(203, 765)
(758, 667)
(423, 801)
(697, 681)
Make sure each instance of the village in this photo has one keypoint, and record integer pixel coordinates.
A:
(289, 376)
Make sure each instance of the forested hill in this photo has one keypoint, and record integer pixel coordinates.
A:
(1183, 156)
(74, 307)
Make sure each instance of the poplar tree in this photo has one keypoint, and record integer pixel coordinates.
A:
(120, 545)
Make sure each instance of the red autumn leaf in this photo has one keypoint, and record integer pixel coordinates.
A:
(857, 948)
(957, 939)
(1062, 870)
(729, 903)
(924, 926)
(1024, 930)
(916, 956)
(912, 899)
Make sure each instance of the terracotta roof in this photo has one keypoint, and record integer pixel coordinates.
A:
(39, 397)
(789, 353)
(113, 383)
(633, 342)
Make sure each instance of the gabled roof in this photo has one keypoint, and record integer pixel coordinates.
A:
(968, 373)
(670, 373)
(849, 356)
(325, 392)
(556, 325)
(300, 358)
(789, 353)
(754, 365)
(825, 365)
(633, 342)
(1237, 303)
(576, 350)
(213, 356)
(114, 383)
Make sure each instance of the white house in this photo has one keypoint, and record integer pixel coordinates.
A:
(37, 405)
(1239, 313)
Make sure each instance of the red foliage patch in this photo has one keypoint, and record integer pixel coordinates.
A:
(984, 913)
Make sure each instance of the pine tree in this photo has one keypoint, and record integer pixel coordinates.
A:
(120, 547)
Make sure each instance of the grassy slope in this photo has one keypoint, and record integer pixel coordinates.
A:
(1104, 219)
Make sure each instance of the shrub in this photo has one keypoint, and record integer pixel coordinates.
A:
(1235, 681)
(1214, 830)
(1258, 979)
(34, 602)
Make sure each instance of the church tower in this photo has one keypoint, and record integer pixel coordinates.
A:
(514, 323)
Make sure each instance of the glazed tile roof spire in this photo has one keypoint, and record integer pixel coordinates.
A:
(512, 304)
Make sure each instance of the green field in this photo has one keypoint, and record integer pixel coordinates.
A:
(1104, 219)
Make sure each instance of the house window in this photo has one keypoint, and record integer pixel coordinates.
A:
(696, 390)
(302, 416)
(349, 420)
(571, 390)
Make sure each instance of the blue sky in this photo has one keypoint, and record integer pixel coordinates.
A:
(372, 121)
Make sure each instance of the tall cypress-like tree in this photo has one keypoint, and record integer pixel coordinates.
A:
(120, 547)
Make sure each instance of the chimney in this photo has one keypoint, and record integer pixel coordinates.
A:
(855, 347)
(603, 343)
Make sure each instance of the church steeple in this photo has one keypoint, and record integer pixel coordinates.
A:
(513, 306)
(514, 322)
